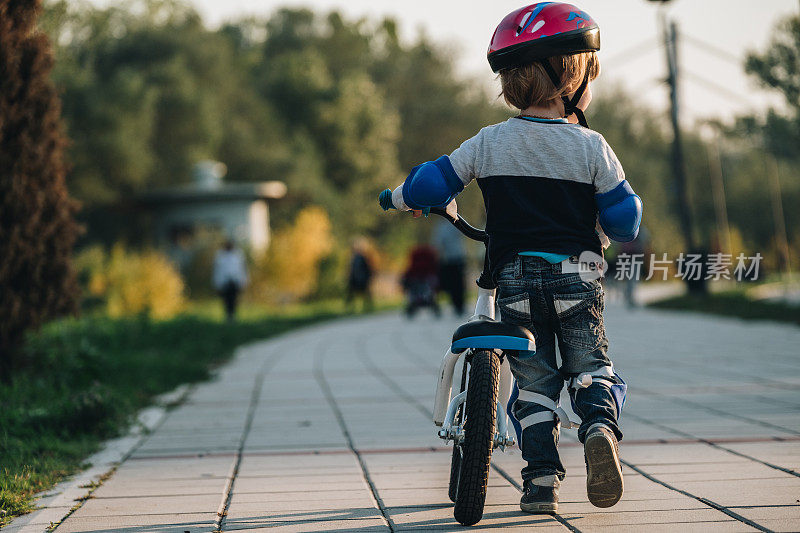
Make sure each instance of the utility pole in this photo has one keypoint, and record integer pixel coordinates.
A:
(781, 240)
(670, 31)
(678, 162)
(718, 190)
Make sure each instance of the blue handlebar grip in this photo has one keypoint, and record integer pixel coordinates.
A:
(385, 199)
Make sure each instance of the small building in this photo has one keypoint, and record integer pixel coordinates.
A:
(184, 217)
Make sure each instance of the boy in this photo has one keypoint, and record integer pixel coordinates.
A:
(547, 181)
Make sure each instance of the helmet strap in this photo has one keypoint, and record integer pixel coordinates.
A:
(570, 105)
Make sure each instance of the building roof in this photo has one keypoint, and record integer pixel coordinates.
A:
(215, 192)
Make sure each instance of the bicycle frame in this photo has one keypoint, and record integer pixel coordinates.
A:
(445, 406)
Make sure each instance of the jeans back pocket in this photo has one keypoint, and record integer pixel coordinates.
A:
(580, 316)
(516, 309)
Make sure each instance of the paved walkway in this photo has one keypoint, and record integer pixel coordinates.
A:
(328, 429)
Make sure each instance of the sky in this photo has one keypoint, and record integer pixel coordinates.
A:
(713, 83)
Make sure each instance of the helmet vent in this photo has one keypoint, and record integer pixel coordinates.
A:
(521, 26)
(530, 16)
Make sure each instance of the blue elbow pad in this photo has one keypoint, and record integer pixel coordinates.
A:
(432, 184)
(620, 212)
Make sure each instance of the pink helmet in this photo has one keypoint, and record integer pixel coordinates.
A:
(542, 30)
(538, 31)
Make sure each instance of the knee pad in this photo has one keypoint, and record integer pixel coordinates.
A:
(606, 376)
(554, 412)
(511, 416)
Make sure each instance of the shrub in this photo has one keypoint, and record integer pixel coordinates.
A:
(332, 276)
(130, 283)
(290, 269)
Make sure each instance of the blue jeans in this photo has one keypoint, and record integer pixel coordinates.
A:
(557, 308)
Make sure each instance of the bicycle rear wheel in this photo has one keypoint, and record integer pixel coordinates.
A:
(480, 410)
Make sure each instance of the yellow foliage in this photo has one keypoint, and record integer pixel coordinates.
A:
(89, 263)
(737, 242)
(133, 282)
(290, 268)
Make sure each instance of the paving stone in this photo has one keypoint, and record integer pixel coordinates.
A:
(144, 505)
(780, 524)
(768, 512)
(172, 487)
(702, 526)
(261, 515)
(365, 525)
(175, 468)
(320, 496)
(152, 523)
(438, 518)
(239, 507)
(308, 484)
(628, 504)
(644, 518)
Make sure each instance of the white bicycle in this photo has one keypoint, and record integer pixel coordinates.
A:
(475, 419)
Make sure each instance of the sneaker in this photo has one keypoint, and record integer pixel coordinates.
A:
(540, 499)
(603, 472)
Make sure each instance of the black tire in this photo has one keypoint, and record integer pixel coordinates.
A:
(479, 428)
(455, 470)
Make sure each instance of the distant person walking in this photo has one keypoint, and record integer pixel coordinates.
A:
(229, 277)
(449, 242)
(360, 276)
(421, 280)
(635, 249)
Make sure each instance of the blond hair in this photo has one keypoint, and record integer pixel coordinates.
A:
(529, 85)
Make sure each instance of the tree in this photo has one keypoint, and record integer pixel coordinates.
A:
(778, 68)
(141, 86)
(371, 106)
(37, 228)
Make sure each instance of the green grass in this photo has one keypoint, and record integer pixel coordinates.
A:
(81, 381)
(735, 304)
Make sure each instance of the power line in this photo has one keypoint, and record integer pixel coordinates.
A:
(645, 47)
(646, 86)
(717, 88)
(713, 50)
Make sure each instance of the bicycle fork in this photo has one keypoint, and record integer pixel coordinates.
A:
(445, 407)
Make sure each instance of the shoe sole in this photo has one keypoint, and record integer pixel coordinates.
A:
(539, 508)
(603, 472)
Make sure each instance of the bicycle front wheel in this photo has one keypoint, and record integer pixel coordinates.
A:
(455, 472)
(480, 412)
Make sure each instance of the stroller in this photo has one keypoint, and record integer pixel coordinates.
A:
(421, 280)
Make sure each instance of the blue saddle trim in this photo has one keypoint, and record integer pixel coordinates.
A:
(501, 342)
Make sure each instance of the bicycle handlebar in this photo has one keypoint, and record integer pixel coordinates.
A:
(462, 225)
(469, 231)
